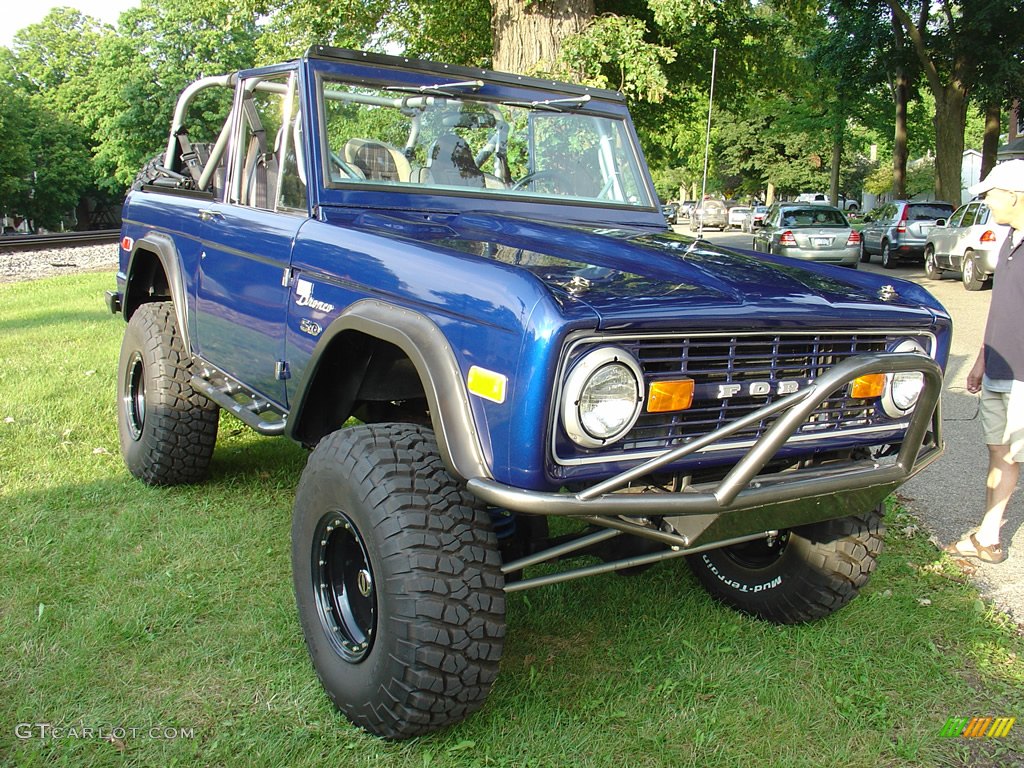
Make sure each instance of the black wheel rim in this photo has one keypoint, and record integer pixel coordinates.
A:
(134, 396)
(755, 555)
(344, 587)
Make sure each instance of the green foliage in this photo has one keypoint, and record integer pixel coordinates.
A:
(160, 48)
(612, 52)
(289, 27)
(45, 165)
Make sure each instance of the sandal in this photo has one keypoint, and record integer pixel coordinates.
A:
(970, 547)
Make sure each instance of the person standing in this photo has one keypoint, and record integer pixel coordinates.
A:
(998, 373)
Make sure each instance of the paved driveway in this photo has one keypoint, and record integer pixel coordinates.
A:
(949, 496)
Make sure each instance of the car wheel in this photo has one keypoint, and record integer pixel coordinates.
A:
(398, 581)
(801, 575)
(166, 429)
(865, 257)
(931, 266)
(887, 260)
(972, 279)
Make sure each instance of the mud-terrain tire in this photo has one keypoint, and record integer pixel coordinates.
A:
(807, 573)
(398, 582)
(149, 172)
(167, 430)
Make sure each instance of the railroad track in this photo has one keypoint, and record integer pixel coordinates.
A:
(58, 240)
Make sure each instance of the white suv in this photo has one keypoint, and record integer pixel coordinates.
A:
(969, 242)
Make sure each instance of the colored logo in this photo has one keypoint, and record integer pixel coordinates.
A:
(977, 727)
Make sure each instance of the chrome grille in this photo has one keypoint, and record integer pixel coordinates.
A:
(720, 364)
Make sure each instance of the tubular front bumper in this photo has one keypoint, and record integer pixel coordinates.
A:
(746, 502)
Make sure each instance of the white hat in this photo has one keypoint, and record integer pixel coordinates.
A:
(1008, 175)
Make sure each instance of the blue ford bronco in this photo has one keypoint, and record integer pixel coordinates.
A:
(457, 289)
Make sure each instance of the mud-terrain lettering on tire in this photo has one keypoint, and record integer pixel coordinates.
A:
(801, 575)
(398, 581)
(167, 430)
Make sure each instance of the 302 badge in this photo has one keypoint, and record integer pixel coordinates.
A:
(309, 327)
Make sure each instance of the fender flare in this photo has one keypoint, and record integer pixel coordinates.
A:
(431, 354)
(163, 246)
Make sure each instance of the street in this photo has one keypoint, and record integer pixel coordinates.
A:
(949, 496)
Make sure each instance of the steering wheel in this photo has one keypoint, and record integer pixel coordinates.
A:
(556, 182)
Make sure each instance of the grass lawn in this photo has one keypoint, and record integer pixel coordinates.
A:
(130, 607)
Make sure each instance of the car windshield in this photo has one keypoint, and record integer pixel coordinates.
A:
(448, 140)
(813, 216)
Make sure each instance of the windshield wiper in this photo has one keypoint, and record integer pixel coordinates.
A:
(552, 105)
(438, 89)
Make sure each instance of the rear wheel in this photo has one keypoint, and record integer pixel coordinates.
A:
(931, 265)
(887, 260)
(801, 575)
(167, 430)
(398, 581)
(972, 279)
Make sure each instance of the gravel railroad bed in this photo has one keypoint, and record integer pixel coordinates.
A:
(31, 265)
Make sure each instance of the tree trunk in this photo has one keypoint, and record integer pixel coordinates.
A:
(901, 89)
(837, 158)
(950, 118)
(528, 34)
(990, 144)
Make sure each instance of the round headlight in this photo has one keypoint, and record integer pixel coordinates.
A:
(603, 397)
(903, 389)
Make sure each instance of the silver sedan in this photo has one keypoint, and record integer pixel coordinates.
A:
(811, 232)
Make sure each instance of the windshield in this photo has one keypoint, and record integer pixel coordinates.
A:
(813, 216)
(446, 139)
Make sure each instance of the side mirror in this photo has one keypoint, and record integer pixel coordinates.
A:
(940, 222)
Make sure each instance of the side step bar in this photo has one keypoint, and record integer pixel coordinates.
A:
(223, 390)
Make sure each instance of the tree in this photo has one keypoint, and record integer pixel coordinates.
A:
(951, 40)
(161, 47)
(44, 167)
(528, 34)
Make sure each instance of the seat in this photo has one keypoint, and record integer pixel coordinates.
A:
(451, 163)
(378, 161)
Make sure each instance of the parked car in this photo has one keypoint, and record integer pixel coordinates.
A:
(686, 209)
(968, 243)
(710, 214)
(899, 230)
(671, 212)
(809, 231)
(738, 214)
(755, 218)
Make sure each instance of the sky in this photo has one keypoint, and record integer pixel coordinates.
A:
(18, 14)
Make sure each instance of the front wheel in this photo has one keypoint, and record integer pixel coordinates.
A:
(931, 265)
(801, 575)
(865, 257)
(167, 430)
(398, 581)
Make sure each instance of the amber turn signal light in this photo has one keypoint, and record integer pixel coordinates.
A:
(865, 387)
(664, 396)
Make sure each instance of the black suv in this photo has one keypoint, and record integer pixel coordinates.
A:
(898, 230)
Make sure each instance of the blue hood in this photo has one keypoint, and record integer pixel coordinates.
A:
(646, 279)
